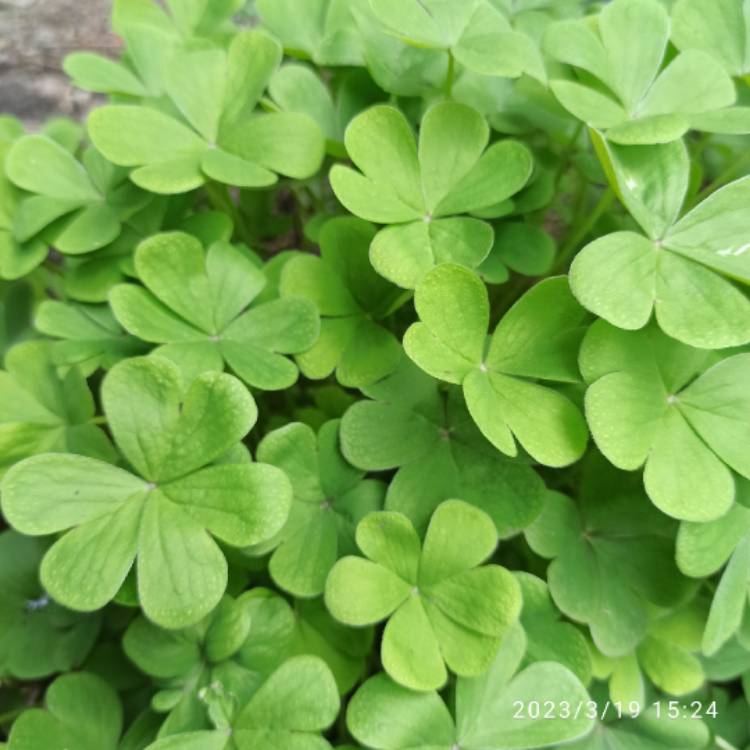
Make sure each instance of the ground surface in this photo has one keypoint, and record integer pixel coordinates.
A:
(35, 35)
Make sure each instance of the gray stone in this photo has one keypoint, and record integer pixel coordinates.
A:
(35, 36)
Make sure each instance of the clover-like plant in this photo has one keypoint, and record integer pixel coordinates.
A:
(474, 33)
(288, 712)
(302, 338)
(716, 27)
(421, 191)
(630, 96)
(87, 336)
(331, 497)
(322, 30)
(82, 711)
(195, 304)
(411, 424)
(683, 271)
(444, 608)
(352, 301)
(486, 708)
(217, 134)
(160, 512)
(599, 540)
(74, 207)
(42, 411)
(681, 413)
(536, 339)
(198, 679)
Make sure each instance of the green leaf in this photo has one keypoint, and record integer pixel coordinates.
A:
(715, 28)
(162, 518)
(38, 164)
(596, 576)
(82, 711)
(635, 409)
(549, 638)
(132, 136)
(168, 437)
(351, 298)
(487, 706)
(713, 232)
(441, 608)
(330, 499)
(297, 702)
(412, 188)
(323, 30)
(94, 72)
(626, 54)
(674, 275)
(199, 299)
(38, 638)
(730, 600)
(440, 454)
(448, 342)
(415, 720)
(42, 411)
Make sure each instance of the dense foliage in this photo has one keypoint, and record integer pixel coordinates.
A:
(376, 373)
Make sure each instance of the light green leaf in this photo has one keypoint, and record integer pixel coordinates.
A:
(40, 165)
(415, 720)
(297, 702)
(730, 600)
(82, 711)
(131, 136)
(182, 573)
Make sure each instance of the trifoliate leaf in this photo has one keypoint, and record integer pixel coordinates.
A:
(331, 497)
(484, 712)
(220, 137)
(82, 711)
(680, 271)
(412, 425)
(16, 258)
(649, 102)
(322, 30)
(89, 336)
(537, 338)
(441, 608)
(75, 207)
(646, 407)
(717, 28)
(196, 304)
(476, 33)
(420, 191)
(290, 710)
(162, 514)
(42, 411)
(604, 551)
(352, 300)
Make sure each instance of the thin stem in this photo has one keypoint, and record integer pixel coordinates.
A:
(579, 232)
(450, 76)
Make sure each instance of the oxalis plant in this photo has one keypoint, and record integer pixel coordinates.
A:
(376, 375)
